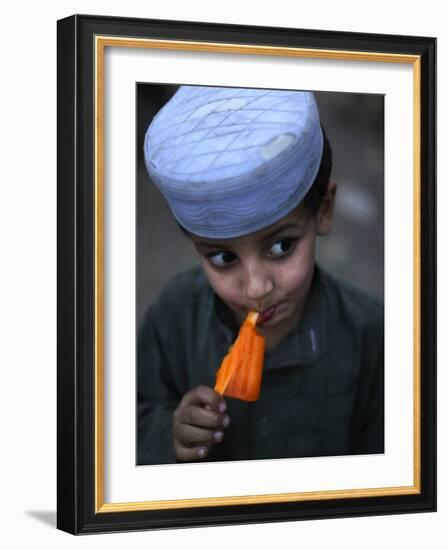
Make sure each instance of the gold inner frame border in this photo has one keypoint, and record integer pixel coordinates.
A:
(100, 44)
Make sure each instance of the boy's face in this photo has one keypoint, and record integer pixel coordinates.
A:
(269, 271)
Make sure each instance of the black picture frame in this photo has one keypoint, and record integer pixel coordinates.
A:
(81, 508)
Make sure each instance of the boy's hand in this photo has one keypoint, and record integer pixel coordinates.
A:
(198, 423)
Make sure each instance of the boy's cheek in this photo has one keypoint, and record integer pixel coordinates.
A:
(302, 264)
(229, 295)
(224, 286)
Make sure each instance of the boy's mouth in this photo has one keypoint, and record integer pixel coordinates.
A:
(266, 315)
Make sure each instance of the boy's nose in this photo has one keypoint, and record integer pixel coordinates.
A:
(258, 284)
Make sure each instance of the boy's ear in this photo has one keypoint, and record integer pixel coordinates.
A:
(324, 218)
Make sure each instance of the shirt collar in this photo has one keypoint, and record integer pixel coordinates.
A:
(301, 346)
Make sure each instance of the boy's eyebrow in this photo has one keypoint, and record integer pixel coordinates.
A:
(222, 246)
(292, 225)
(208, 245)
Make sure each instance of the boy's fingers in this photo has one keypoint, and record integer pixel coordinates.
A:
(207, 397)
(202, 417)
(199, 422)
(191, 454)
(193, 436)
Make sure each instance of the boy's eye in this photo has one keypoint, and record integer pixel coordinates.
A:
(222, 258)
(280, 248)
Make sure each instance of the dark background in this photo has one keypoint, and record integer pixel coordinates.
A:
(354, 250)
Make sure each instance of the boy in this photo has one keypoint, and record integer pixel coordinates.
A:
(246, 174)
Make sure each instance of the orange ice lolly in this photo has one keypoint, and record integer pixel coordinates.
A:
(240, 373)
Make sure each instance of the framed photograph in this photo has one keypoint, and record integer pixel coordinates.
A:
(199, 165)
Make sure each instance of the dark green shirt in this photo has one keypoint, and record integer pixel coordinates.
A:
(323, 386)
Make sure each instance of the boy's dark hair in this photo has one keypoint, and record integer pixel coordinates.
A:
(319, 187)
